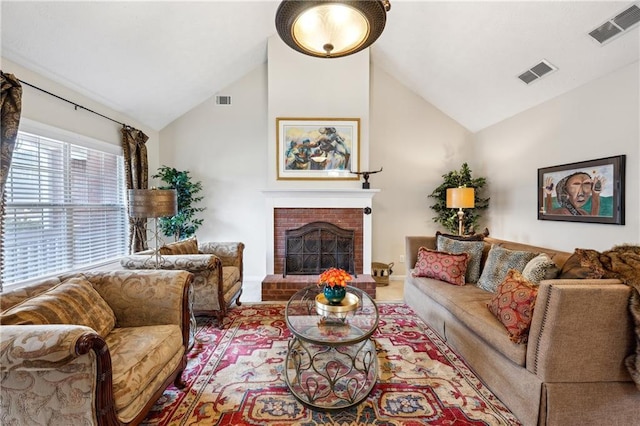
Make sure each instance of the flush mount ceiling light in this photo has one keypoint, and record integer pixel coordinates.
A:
(331, 29)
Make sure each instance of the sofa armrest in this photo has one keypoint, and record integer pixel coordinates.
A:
(186, 262)
(230, 253)
(144, 297)
(582, 323)
(40, 347)
(412, 244)
(67, 365)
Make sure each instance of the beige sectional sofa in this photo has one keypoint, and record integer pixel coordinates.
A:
(571, 371)
(96, 348)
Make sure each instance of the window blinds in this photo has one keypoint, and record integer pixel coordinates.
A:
(65, 208)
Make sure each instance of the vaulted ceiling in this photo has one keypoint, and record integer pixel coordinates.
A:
(154, 61)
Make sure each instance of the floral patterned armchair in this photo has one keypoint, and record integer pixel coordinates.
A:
(92, 348)
(216, 266)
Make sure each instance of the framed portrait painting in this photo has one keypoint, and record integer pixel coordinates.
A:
(318, 148)
(588, 191)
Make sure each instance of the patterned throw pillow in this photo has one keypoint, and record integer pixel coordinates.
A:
(513, 305)
(583, 264)
(540, 268)
(498, 263)
(472, 248)
(444, 266)
(73, 301)
(188, 246)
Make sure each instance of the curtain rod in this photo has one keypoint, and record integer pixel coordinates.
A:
(76, 106)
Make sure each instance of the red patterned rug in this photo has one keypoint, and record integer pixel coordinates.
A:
(235, 376)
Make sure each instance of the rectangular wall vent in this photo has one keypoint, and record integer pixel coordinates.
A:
(537, 71)
(617, 25)
(223, 100)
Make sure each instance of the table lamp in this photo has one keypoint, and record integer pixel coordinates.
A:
(460, 198)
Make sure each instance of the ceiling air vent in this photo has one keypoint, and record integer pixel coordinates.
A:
(617, 25)
(536, 72)
(223, 100)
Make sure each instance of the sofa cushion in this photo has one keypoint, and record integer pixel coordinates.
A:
(498, 263)
(582, 264)
(540, 268)
(73, 301)
(137, 356)
(472, 248)
(444, 266)
(513, 305)
(188, 246)
(468, 304)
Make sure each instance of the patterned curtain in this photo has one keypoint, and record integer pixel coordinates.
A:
(10, 109)
(137, 177)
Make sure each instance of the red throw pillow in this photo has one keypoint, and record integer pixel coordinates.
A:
(441, 265)
(513, 304)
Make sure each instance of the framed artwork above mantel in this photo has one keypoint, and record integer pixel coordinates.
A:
(587, 191)
(318, 148)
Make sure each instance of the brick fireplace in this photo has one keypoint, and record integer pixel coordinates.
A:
(287, 219)
(288, 209)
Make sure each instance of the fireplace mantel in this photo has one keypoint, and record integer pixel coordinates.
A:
(320, 198)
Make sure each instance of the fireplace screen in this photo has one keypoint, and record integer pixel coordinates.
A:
(317, 246)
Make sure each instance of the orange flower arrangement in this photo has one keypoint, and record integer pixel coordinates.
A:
(334, 277)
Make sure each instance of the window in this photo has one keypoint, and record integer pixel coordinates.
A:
(65, 208)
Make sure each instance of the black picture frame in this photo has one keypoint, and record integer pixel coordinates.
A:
(587, 191)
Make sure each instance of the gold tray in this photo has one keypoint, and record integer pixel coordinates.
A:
(348, 304)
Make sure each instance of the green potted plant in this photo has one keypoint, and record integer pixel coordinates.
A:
(448, 217)
(184, 224)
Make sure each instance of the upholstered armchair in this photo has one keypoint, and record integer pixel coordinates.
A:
(216, 266)
(95, 348)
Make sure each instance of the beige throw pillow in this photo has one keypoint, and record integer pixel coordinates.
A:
(540, 268)
(73, 301)
(188, 246)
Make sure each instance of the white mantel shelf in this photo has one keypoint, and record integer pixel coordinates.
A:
(320, 193)
(320, 198)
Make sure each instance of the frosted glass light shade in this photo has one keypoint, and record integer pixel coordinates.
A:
(330, 29)
(460, 198)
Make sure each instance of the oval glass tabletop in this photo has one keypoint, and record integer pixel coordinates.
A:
(311, 320)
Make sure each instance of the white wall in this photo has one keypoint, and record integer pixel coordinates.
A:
(232, 149)
(46, 109)
(416, 144)
(600, 119)
(225, 147)
(308, 87)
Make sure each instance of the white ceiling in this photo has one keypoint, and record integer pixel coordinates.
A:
(154, 61)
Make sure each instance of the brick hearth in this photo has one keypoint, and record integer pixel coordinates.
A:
(277, 287)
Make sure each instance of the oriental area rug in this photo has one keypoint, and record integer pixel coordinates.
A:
(235, 376)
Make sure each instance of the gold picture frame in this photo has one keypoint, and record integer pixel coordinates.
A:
(318, 148)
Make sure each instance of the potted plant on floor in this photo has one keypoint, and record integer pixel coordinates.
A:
(184, 224)
(448, 217)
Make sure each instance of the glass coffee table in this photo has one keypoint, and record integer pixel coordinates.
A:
(331, 363)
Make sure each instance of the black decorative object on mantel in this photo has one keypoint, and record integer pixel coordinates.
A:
(365, 175)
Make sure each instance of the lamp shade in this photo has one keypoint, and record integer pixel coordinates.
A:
(460, 198)
(153, 202)
(329, 28)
